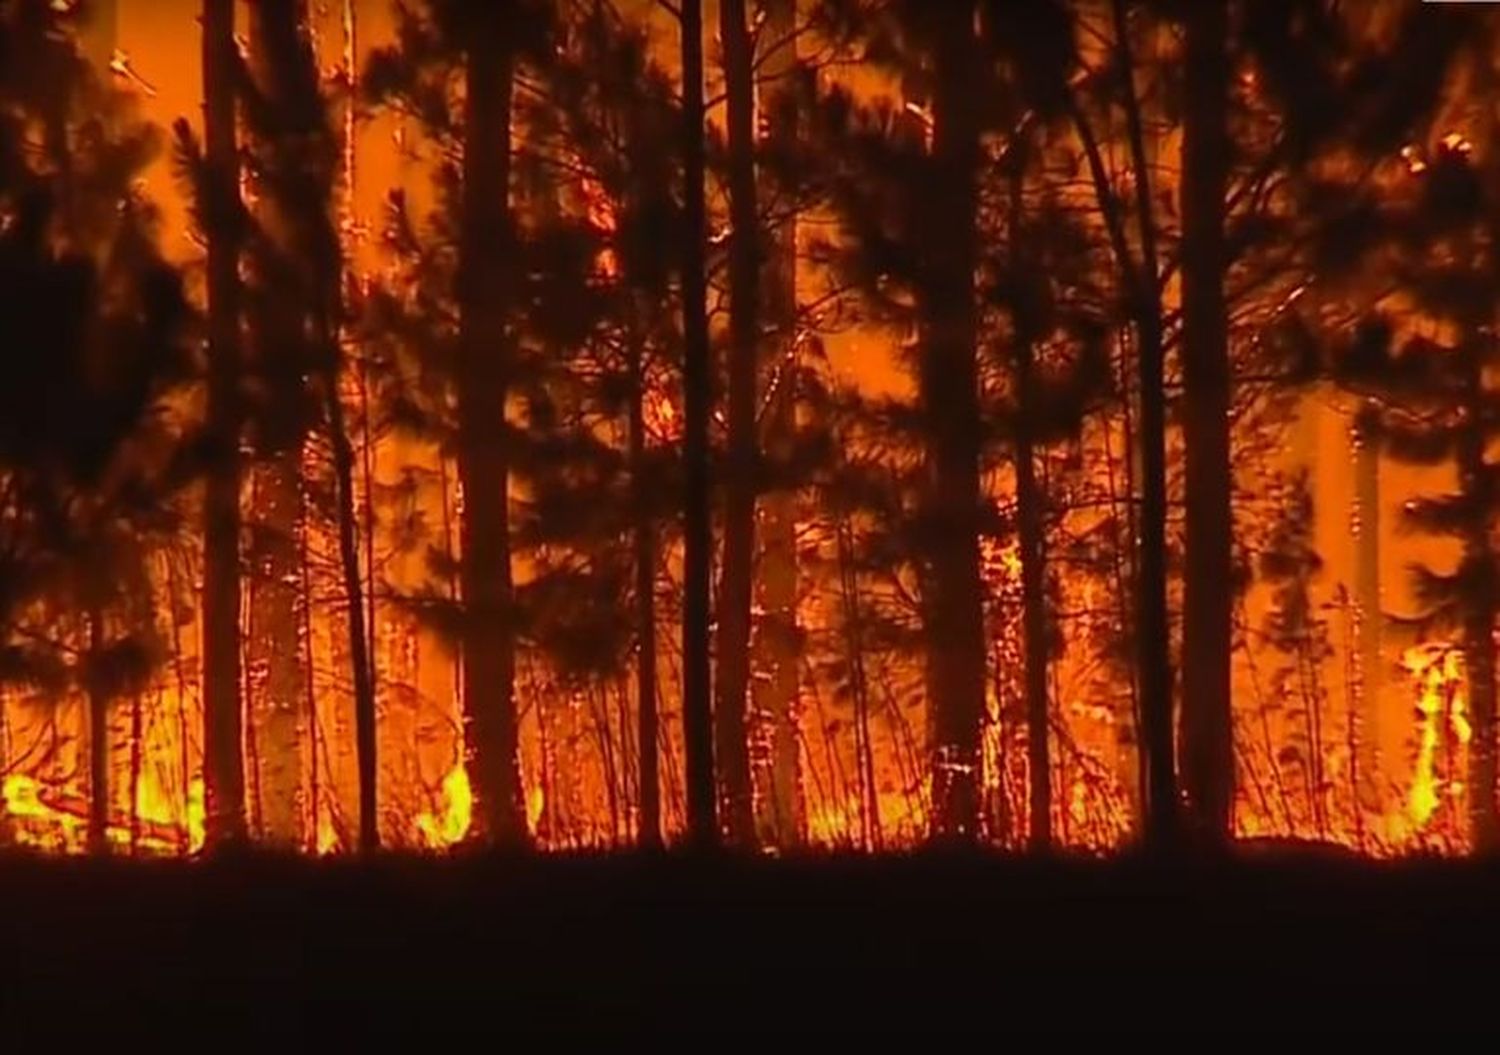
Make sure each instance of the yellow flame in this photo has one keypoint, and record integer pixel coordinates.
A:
(536, 801)
(449, 827)
(1438, 674)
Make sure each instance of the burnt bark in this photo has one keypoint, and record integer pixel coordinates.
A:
(1031, 531)
(223, 765)
(648, 725)
(949, 396)
(697, 705)
(1208, 587)
(736, 577)
(1153, 643)
(485, 345)
(776, 695)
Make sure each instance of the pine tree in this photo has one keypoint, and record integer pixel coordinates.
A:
(221, 218)
(737, 576)
(697, 709)
(1434, 405)
(299, 312)
(95, 322)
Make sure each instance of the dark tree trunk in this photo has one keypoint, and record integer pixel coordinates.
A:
(300, 338)
(1366, 729)
(274, 645)
(949, 393)
(1031, 528)
(1479, 584)
(490, 728)
(360, 660)
(736, 576)
(697, 708)
(1207, 727)
(1153, 629)
(137, 748)
(98, 831)
(223, 765)
(648, 730)
(776, 638)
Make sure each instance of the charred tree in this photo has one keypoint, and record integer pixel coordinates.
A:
(297, 154)
(485, 284)
(697, 706)
(949, 407)
(1208, 581)
(1030, 521)
(279, 307)
(776, 692)
(1153, 642)
(737, 575)
(223, 765)
(648, 732)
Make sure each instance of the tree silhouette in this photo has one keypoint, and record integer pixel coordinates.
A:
(697, 709)
(221, 218)
(94, 323)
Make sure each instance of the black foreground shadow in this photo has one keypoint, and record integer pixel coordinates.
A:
(269, 949)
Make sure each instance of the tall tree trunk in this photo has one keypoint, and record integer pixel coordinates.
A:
(137, 749)
(736, 578)
(98, 703)
(949, 393)
(276, 651)
(274, 645)
(360, 660)
(223, 765)
(485, 252)
(1479, 659)
(776, 695)
(1207, 634)
(697, 707)
(1367, 595)
(648, 732)
(1031, 527)
(1153, 629)
(1480, 585)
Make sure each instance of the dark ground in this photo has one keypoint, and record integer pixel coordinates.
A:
(268, 949)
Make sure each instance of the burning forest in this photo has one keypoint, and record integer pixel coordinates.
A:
(804, 429)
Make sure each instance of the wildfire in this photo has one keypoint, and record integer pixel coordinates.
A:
(58, 821)
(1438, 675)
(449, 826)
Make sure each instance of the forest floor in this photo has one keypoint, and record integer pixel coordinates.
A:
(281, 948)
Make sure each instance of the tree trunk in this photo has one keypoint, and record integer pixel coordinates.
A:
(485, 251)
(274, 645)
(739, 506)
(293, 211)
(949, 393)
(360, 660)
(1479, 659)
(137, 748)
(697, 709)
(1367, 594)
(1031, 528)
(98, 703)
(648, 733)
(776, 695)
(223, 766)
(1480, 585)
(1207, 635)
(1153, 630)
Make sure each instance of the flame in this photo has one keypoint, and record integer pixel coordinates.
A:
(1437, 672)
(535, 802)
(448, 828)
(153, 805)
